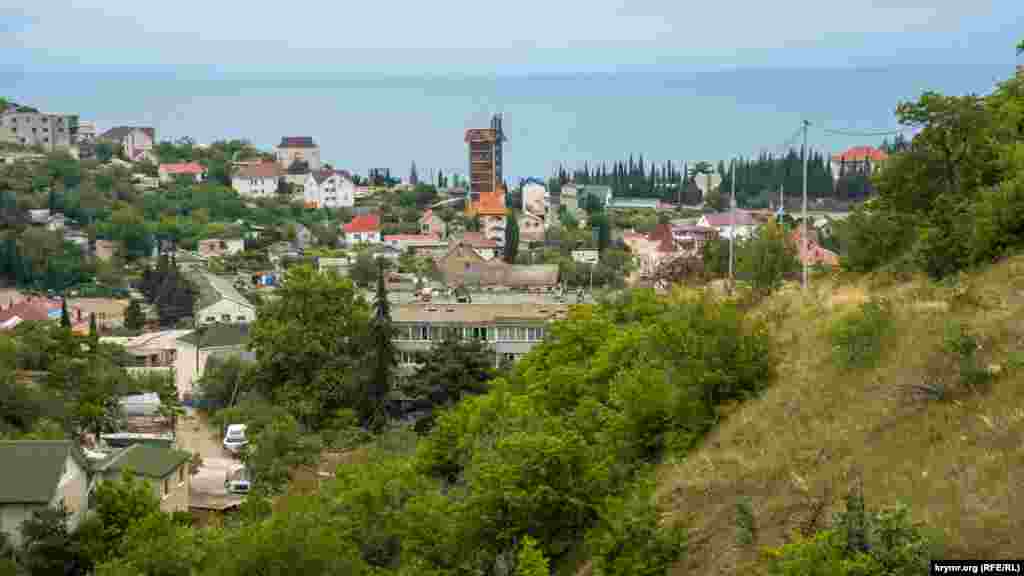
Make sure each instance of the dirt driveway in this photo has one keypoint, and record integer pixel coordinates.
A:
(195, 435)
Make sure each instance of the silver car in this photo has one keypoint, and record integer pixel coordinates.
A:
(234, 438)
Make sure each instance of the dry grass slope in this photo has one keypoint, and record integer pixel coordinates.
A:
(958, 464)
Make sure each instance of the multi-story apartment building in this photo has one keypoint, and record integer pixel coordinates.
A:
(298, 149)
(485, 157)
(28, 128)
(509, 330)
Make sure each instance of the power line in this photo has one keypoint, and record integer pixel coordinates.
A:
(860, 134)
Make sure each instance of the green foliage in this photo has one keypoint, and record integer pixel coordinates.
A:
(944, 242)
(47, 546)
(859, 543)
(857, 338)
(225, 381)
(134, 318)
(872, 238)
(746, 524)
(452, 369)
(769, 258)
(276, 448)
(960, 342)
(364, 271)
(629, 539)
(511, 237)
(118, 505)
(530, 561)
(382, 360)
(311, 344)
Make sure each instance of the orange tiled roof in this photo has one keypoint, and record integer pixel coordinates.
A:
(364, 223)
(183, 168)
(860, 153)
(491, 204)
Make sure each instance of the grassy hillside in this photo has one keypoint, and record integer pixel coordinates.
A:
(920, 426)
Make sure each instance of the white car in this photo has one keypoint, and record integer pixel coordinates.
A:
(234, 438)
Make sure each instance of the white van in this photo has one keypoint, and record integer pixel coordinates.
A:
(234, 438)
(237, 480)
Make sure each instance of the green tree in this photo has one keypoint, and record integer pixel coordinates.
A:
(769, 257)
(65, 320)
(134, 318)
(48, 547)
(118, 505)
(452, 369)
(511, 237)
(311, 344)
(383, 362)
(364, 270)
(530, 561)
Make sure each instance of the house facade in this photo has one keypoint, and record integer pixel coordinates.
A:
(194, 170)
(134, 142)
(431, 223)
(298, 149)
(416, 242)
(509, 330)
(194, 350)
(857, 160)
(363, 229)
(328, 189)
(535, 199)
(51, 132)
(220, 302)
(41, 474)
(219, 247)
(725, 222)
(257, 180)
(486, 248)
(531, 227)
(165, 470)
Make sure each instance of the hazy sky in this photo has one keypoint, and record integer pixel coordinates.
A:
(692, 80)
(525, 36)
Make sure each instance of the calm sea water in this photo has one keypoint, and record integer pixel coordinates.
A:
(363, 122)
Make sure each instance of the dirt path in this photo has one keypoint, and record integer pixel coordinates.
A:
(195, 435)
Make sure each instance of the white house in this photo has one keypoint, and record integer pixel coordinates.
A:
(41, 474)
(195, 349)
(257, 180)
(220, 302)
(535, 199)
(194, 170)
(723, 222)
(329, 189)
(363, 229)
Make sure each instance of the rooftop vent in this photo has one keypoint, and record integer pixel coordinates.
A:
(450, 309)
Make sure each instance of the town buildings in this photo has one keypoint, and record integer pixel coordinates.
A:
(464, 266)
(168, 172)
(220, 302)
(220, 247)
(257, 180)
(31, 128)
(723, 222)
(363, 229)
(485, 159)
(134, 142)
(329, 189)
(531, 227)
(535, 199)
(301, 149)
(509, 330)
(194, 350)
(165, 470)
(857, 160)
(493, 214)
(485, 247)
(431, 223)
(39, 474)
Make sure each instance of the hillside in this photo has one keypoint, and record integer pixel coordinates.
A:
(956, 461)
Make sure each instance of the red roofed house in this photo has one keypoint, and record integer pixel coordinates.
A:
(257, 180)
(431, 223)
(723, 222)
(863, 159)
(492, 212)
(168, 172)
(363, 229)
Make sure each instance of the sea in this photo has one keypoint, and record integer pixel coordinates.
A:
(377, 121)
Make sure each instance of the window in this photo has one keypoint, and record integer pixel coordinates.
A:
(240, 318)
(211, 319)
(225, 317)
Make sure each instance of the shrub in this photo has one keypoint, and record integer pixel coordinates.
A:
(857, 338)
(746, 525)
(874, 238)
(964, 345)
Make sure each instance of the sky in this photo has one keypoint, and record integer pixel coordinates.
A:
(328, 50)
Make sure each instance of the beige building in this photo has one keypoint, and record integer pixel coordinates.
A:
(510, 330)
(257, 180)
(134, 142)
(165, 470)
(194, 350)
(299, 149)
(219, 247)
(220, 302)
(109, 311)
(531, 227)
(40, 474)
(48, 131)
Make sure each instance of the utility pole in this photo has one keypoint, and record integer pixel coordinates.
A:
(803, 225)
(732, 227)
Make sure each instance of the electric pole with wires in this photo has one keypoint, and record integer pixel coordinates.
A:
(803, 224)
(732, 224)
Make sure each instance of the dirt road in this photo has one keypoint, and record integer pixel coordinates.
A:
(195, 435)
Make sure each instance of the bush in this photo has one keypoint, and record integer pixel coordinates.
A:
(874, 238)
(857, 338)
(964, 345)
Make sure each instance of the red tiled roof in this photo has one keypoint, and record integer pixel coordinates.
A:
(491, 204)
(363, 223)
(183, 168)
(860, 153)
(412, 238)
(262, 170)
(720, 219)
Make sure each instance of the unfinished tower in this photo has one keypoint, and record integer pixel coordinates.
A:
(484, 159)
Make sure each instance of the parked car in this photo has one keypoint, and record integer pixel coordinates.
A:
(237, 480)
(234, 438)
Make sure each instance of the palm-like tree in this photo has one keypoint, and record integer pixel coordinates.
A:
(705, 169)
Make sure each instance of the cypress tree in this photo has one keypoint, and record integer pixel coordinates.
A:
(374, 415)
(65, 320)
(511, 237)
